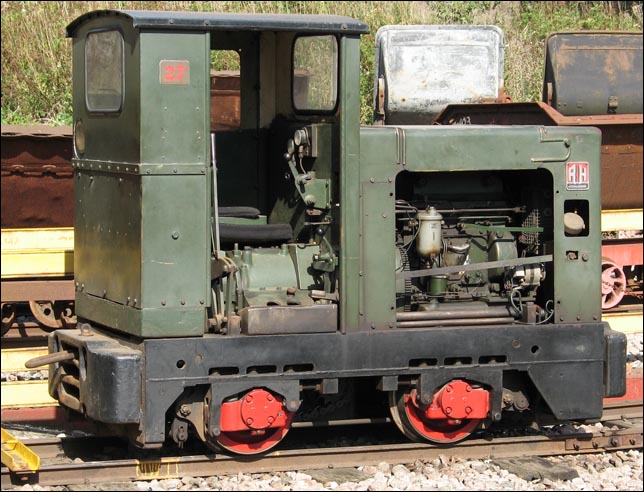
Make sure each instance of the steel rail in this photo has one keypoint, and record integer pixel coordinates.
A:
(623, 410)
(57, 472)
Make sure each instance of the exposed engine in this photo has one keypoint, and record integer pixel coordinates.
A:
(476, 255)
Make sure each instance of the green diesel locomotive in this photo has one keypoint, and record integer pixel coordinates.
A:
(300, 267)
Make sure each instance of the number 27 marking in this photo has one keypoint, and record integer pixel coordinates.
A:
(174, 73)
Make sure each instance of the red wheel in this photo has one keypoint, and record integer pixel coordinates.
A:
(613, 284)
(250, 442)
(253, 423)
(423, 423)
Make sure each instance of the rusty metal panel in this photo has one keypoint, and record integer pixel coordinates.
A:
(426, 67)
(621, 166)
(224, 100)
(37, 290)
(37, 178)
(594, 72)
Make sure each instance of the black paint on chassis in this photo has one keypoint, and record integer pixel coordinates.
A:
(573, 366)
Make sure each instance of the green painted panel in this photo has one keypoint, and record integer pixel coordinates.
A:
(578, 281)
(107, 243)
(386, 151)
(378, 270)
(109, 136)
(350, 159)
(175, 107)
(144, 323)
(175, 253)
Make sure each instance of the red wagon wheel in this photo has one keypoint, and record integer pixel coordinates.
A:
(613, 284)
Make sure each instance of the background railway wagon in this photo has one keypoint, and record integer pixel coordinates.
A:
(37, 227)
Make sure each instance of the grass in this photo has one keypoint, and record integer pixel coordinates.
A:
(36, 64)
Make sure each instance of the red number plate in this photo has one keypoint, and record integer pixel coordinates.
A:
(174, 72)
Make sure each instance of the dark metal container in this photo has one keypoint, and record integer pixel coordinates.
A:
(591, 73)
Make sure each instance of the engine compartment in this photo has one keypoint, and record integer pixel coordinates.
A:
(464, 243)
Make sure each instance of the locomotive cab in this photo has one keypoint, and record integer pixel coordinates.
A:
(234, 281)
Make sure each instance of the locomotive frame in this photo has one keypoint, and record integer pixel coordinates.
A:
(179, 336)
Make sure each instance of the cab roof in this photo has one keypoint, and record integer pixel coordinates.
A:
(209, 21)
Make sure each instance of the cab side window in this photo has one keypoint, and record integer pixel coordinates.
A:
(315, 73)
(104, 71)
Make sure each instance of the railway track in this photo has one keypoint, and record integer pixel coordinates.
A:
(66, 461)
